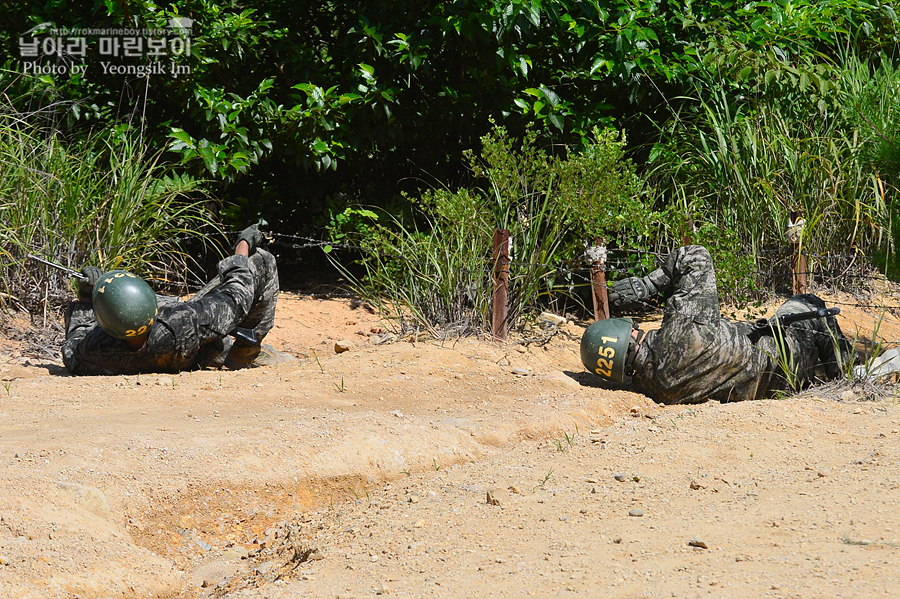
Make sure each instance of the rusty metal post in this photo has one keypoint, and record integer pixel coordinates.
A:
(688, 230)
(598, 281)
(798, 260)
(499, 324)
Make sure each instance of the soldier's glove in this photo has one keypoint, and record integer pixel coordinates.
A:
(92, 274)
(253, 236)
(631, 291)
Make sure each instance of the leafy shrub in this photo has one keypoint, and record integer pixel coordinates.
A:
(438, 269)
(362, 96)
(607, 198)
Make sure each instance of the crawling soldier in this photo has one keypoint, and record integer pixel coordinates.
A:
(118, 327)
(697, 355)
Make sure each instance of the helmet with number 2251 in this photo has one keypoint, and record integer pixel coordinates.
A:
(604, 347)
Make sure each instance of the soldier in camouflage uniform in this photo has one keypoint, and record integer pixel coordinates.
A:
(697, 355)
(184, 335)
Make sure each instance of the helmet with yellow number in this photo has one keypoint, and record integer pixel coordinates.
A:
(124, 304)
(604, 347)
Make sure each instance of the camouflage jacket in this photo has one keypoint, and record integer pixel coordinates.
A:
(698, 355)
(186, 335)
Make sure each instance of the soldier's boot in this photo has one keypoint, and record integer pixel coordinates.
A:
(241, 355)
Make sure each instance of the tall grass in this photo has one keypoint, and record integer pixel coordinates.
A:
(746, 163)
(431, 275)
(102, 200)
(872, 90)
(437, 275)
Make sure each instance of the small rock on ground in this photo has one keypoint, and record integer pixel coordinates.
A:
(497, 497)
(342, 346)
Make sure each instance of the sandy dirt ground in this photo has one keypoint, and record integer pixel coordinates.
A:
(426, 468)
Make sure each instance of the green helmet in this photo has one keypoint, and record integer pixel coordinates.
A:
(124, 304)
(604, 347)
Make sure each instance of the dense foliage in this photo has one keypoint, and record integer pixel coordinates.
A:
(282, 94)
(441, 274)
(300, 112)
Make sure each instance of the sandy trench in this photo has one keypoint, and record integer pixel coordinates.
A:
(367, 473)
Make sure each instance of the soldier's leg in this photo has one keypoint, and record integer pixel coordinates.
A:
(820, 340)
(261, 316)
(691, 290)
(214, 353)
(220, 308)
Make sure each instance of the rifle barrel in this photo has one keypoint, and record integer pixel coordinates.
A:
(69, 271)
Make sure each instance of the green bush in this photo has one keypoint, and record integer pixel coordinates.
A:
(438, 270)
(384, 90)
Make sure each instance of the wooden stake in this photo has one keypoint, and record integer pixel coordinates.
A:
(798, 260)
(500, 313)
(598, 285)
(688, 231)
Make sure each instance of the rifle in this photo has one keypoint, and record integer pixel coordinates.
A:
(766, 326)
(65, 269)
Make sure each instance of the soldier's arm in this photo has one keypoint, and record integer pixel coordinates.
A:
(678, 267)
(79, 321)
(690, 278)
(634, 290)
(661, 279)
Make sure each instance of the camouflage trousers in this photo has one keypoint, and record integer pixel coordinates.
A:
(816, 349)
(697, 355)
(228, 350)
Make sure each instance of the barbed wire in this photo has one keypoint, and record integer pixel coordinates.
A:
(583, 273)
(795, 327)
(579, 274)
(859, 305)
(311, 242)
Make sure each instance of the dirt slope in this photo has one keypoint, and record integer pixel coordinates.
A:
(367, 472)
